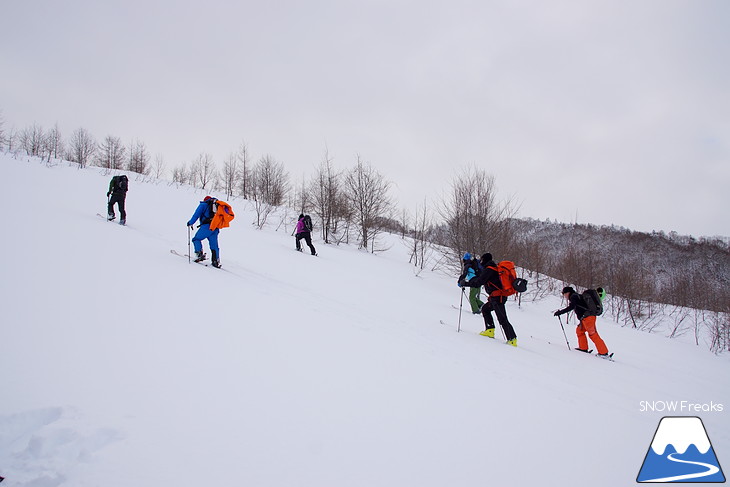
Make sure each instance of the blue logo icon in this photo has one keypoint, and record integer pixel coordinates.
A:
(681, 452)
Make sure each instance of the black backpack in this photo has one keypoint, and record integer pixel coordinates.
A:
(308, 223)
(210, 211)
(120, 183)
(593, 304)
(520, 285)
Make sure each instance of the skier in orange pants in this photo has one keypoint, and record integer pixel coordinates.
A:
(587, 323)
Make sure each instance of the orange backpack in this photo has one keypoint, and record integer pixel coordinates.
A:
(223, 215)
(507, 276)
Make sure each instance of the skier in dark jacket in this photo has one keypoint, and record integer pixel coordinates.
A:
(470, 270)
(587, 322)
(204, 213)
(118, 187)
(489, 278)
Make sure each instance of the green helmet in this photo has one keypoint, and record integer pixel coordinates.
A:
(601, 293)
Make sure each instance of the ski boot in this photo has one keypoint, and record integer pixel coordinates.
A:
(110, 217)
(214, 259)
(512, 342)
(489, 332)
(122, 222)
(199, 256)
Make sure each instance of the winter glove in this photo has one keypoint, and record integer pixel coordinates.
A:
(557, 313)
(108, 193)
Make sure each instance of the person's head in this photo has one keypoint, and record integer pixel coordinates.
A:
(601, 292)
(567, 291)
(207, 198)
(467, 256)
(301, 215)
(486, 257)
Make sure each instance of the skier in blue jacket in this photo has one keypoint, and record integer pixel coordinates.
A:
(204, 213)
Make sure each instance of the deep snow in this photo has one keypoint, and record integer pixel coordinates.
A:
(122, 364)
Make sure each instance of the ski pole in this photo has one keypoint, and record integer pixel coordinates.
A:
(461, 303)
(189, 244)
(566, 336)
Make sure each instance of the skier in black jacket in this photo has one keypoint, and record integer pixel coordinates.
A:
(118, 187)
(489, 278)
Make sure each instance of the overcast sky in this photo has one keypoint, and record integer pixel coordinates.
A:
(608, 112)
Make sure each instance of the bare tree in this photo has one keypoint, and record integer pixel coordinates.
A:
(3, 140)
(244, 163)
(202, 171)
(159, 167)
(181, 175)
(139, 158)
(231, 174)
(420, 236)
(324, 193)
(269, 189)
(367, 193)
(111, 153)
(54, 143)
(271, 181)
(33, 140)
(11, 140)
(475, 220)
(300, 197)
(82, 147)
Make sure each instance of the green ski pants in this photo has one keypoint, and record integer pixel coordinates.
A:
(474, 301)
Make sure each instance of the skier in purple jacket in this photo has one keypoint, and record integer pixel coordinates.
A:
(304, 231)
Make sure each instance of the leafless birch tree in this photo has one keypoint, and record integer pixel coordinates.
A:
(367, 193)
(231, 175)
(245, 177)
(325, 195)
(139, 158)
(202, 171)
(476, 221)
(54, 143)
(33, 140)
(82, 147)
(111, 153)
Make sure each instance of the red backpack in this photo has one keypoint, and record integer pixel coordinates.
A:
(507, 276)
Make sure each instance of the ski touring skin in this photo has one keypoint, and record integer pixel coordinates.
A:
(108, 220)
(584, 351)
(608, 357)
(495, 339)
(186, 256)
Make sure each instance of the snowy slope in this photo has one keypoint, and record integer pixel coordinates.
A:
(123, 365)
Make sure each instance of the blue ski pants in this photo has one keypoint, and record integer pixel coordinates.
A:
(204, 232)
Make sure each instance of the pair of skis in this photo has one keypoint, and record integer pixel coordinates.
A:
(107, 219)
(605, 357)
(186, 256)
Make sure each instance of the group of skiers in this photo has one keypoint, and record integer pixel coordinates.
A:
(486, 272)
(212, 215)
